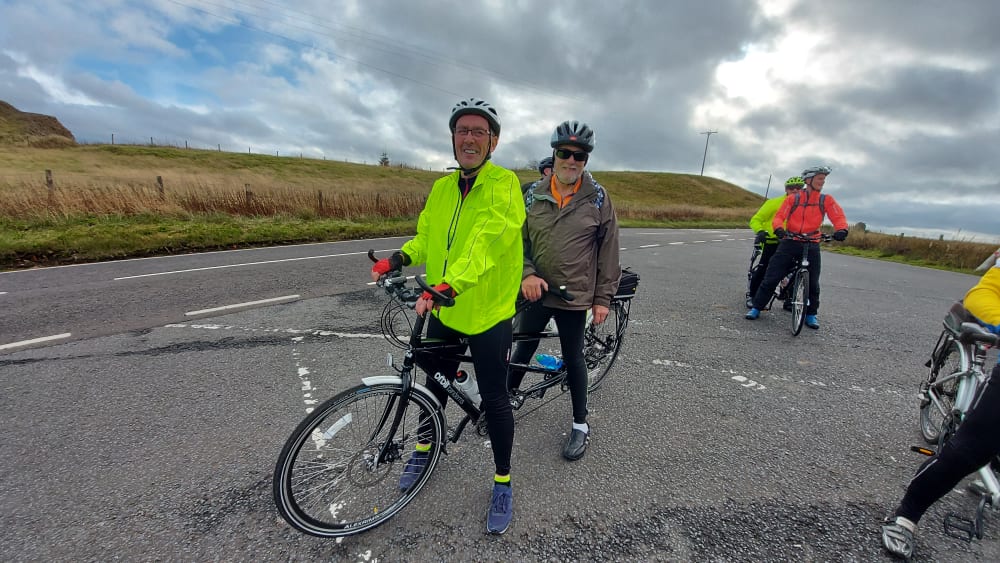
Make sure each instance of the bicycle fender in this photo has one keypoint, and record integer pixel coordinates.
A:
(396, 380)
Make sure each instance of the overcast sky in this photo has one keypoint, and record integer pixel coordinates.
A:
(900, 97)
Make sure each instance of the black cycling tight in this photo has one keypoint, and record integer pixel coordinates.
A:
(571, 325)
(490, 353)
(974, 444)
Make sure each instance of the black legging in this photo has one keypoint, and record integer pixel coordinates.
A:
(784, 258)
(758, 274)
(489, 351)
(571, 325)
(974, 444)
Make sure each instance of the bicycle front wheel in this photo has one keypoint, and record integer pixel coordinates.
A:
(338, 474)
(932, 417)
(800, 296)
(602, 342)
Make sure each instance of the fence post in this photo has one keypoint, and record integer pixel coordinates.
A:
(159, 186)
(185, 143)
(220, 147)
(112, 138)
(319, 196)
(249, 193)
(49, 182)
(151, 142)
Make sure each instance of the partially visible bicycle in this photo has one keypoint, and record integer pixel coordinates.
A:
(957, 374)
(755, 259)
(794, 287)
(338, 473)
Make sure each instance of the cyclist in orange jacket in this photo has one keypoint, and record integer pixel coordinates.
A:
(801, 214)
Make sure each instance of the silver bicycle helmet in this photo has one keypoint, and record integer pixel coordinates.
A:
(576, 133)
(475, 106)
(810, 172)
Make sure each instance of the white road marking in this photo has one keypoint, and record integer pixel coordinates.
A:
(674, 243)
(243, 264)
(751, 380)
(35, 341)
(238, 305)
(3, 293)
(308, 331)
(648, 246)
(697, 241)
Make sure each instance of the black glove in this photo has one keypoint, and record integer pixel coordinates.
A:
(761, 237)
(840, 235)
(779, 232)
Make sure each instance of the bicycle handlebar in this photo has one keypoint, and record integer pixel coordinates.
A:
(802, 237)
(395, 283)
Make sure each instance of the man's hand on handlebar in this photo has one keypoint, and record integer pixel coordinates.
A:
(533, 287)
(427, 302)
(393, 263)
(779, 232)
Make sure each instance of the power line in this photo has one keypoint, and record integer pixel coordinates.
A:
(372, 40)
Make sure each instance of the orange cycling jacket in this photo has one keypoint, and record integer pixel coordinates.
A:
(807, 217)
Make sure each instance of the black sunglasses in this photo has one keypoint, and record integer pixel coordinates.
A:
(579, 156)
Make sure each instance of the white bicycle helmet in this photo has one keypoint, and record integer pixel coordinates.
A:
(475, 106)
(810, 172)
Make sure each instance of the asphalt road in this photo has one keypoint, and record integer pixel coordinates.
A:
(149, 433)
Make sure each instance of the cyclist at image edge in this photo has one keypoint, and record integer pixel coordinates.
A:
(544, 168)
(974, 444)
(801, 215)
(761, 224)
(570, 239)
(468, 235)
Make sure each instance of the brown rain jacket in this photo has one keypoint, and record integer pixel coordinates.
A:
(576, 246)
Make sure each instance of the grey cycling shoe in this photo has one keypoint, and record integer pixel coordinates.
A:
(897, 536)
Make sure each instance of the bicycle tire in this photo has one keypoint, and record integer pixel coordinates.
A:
(949, 361)
(800, 296)
(601, 343)
(325, 484)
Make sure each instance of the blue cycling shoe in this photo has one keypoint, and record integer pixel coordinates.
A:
(412, 470)
(812, 322)
(501, 509)
(752, 314)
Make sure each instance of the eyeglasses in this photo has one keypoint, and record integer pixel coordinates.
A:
(579, 156)
(793, 187)
(476, 133)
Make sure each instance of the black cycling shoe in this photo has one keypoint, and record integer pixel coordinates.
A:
(576, 446)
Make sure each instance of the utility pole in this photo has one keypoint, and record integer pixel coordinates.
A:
(708, 135)
(768, 188)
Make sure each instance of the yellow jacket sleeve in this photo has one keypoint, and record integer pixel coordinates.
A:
(983, 300)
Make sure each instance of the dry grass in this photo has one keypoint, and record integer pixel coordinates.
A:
(949, 254)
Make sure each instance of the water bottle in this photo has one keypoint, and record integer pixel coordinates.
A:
(468, 386)
(549, 361)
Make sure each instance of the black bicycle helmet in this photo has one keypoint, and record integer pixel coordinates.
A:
(477, 107)
(574, 133)
(547, 162)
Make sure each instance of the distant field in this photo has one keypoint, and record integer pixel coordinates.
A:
(114, 201)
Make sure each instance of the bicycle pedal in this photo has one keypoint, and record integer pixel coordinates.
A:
(960, 527)
(923, 451)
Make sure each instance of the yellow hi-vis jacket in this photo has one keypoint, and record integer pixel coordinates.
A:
(474, 245)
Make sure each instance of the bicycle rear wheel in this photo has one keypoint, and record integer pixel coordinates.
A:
(328, 481)
(948, 360)
(602, 342)
(800, 295)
